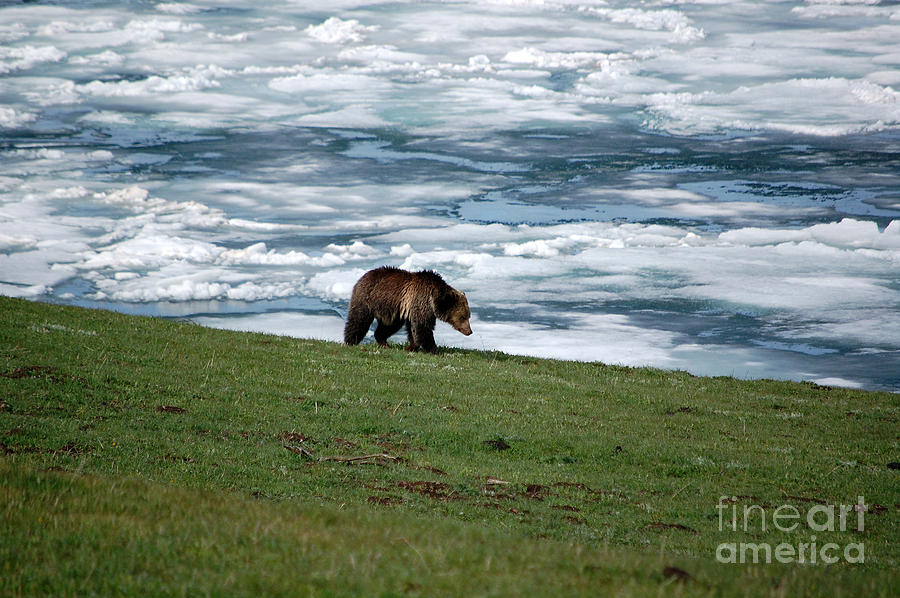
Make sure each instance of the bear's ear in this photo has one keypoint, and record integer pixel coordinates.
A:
(444, 302)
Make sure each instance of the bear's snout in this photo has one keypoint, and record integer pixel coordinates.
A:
(465, 329)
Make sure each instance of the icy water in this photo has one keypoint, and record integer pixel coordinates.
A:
(709, 186)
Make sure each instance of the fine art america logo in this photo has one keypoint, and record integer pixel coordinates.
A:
(787, 518)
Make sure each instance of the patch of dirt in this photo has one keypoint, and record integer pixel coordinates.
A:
(677, 574)
(29, 371)
(295, 437)
(6, 449)
(535, 492)
(678, 526)
(435, 490)
(498, 444)
(680, 410)
(40, 371)
(171, 409)
(384, 441)
(532, 492)
(70, 448)
(344, 442)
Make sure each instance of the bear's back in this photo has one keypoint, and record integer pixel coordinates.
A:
(396, 278)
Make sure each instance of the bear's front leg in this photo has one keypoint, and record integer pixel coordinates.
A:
(421, 337)
(410, 343)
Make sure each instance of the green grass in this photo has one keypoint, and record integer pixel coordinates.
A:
(145, 456)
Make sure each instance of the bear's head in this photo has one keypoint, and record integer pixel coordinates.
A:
(452, 307)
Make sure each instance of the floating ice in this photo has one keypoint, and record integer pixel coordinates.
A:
(258, 254)
(865, 107)
(337, 31)
(178, 8)
(654, 20)
(554, 60)
(27, 57)
(150, 86)
(11, 243)
(335, 284)
(847, 233)
(12, 118)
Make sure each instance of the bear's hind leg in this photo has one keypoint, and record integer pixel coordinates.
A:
(358, 321)
(385, 331)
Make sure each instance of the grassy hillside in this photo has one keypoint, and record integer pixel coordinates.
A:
(141, 455)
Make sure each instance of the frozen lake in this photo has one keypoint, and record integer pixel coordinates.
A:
(699, 185)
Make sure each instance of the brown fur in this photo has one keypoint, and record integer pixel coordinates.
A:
(398, 298)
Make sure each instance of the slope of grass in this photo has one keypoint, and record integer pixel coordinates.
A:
(143, 454)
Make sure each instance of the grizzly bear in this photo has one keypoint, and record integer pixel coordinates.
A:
(396, 298)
